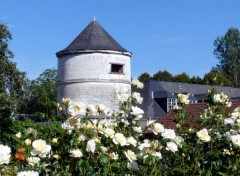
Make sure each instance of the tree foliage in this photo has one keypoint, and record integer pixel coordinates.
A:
(41, 95)
(163, 76)
(216, 78)
(11, 79)
(144, 77)
(183, 78)
(228, 53)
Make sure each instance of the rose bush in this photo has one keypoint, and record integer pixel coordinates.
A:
(95, 141)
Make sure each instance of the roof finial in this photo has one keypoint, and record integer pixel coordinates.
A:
(94, 18)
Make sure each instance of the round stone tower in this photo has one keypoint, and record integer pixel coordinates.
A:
(93, 68)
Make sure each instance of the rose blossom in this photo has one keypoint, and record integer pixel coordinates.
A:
(91, 146)
(132, 141)
(168, 134)
(4, 154)
(28, 142)
(119, 138)
(137, 84)
(131, 156)
(40, 148)
(172, 147)
(157, 128)
(33, 160)
(76, 153)
(203, 135)
(236, 139)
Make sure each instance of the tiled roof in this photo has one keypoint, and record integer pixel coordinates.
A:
(193, 113)
(93, 37)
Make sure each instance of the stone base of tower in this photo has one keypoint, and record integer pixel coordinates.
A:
(93, 93)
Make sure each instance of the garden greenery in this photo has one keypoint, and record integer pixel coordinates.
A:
(93, 140)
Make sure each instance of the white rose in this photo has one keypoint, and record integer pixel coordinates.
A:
(19, 135)
(77, 109)
(40, 148)
(91, 146)
(137, 129)
(120, 139)
(76, 153)
(229, 121)
(217, 98)
(236, 139)
(172, 147)
(81, 138)
(137, 98)
(4, 154)
(203, 135)
(132, 141)
(28, 173)
(113, 156)
(157, 128)
(168, 134)
(91, 110)
(109, 132)
(28, 142)
(178, 140)
(137, 112)
(145, 144)
(131, 156)
(33, 160)
(137, 84)
(157, 154)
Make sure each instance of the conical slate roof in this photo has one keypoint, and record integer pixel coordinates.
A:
(93, 37)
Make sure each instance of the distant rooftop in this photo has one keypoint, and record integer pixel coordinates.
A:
(93, 37)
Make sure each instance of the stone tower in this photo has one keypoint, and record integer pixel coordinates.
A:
(93, 68)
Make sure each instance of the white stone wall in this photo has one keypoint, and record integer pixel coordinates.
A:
(92, 66)
(86, 78)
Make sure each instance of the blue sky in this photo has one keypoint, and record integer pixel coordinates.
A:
(168, 35)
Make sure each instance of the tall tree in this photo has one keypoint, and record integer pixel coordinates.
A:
(144, 77)
(163, 76)
(228, 53)
(11, 79)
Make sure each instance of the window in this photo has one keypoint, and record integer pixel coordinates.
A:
(171, 102)
(117, 68)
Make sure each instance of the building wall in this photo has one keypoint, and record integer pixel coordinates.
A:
(86, 78)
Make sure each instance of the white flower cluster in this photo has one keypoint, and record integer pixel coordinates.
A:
(154, 147)
(80, 110)
(184, 99)
(234, 122)
(221, 98)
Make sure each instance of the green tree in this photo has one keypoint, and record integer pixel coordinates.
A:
(11, 79)
(196, 80)
(163, 76)
(216, 78)
(183, 78)
(227, 51)
(144, 77)
(41, 96)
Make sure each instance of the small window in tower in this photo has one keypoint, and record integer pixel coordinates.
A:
(117, 68)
